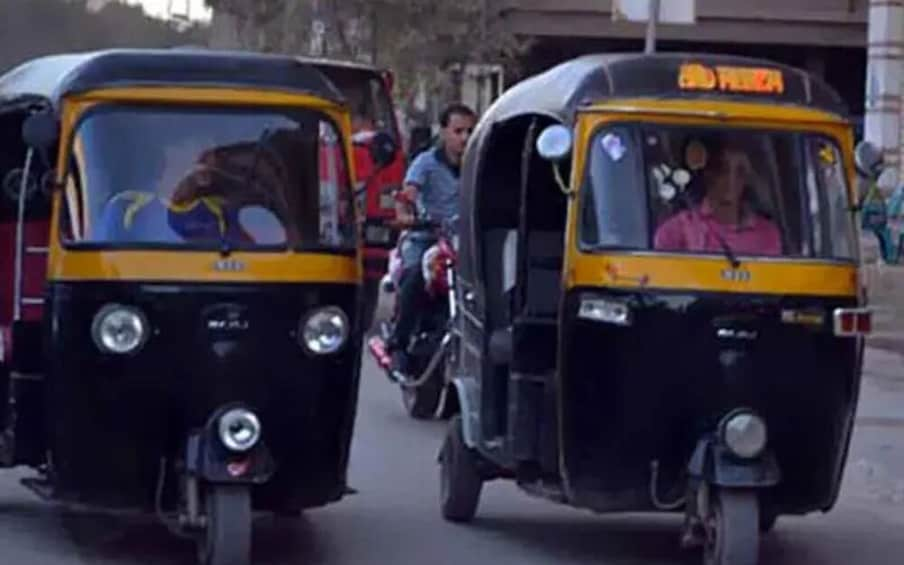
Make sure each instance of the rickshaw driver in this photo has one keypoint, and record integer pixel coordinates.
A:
(723, 211)
(432, 183)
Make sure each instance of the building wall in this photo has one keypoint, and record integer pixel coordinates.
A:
(792, 22)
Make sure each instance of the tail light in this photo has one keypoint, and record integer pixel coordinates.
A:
(853, 321)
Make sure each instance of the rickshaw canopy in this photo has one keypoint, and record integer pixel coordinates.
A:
(47, 80)
(562, 90)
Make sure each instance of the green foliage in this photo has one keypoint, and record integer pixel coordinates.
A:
(31, 28)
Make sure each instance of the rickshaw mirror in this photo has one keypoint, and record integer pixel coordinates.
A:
(554, 143)
(382, 149)
(39, 130)
(867, 156)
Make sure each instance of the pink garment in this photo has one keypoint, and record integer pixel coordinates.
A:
(688, 231)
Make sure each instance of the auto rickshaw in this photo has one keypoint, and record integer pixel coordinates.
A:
(368, 91)
(182, 332)
(658, 298)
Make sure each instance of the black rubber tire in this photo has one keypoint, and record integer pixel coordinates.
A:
(227, 540)
(460, 482)
(422, 402)
(735, 518)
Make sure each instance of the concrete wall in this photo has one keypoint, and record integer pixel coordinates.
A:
(792, 22)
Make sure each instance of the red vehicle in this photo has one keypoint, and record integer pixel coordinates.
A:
(23, 263)
(368, 90)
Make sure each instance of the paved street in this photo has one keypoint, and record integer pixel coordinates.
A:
(394, 519)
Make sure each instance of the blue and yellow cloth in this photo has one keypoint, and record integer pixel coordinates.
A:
(134, 216)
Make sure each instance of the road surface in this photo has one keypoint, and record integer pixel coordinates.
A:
(394, 518)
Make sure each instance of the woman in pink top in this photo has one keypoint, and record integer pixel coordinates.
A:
(721, 213)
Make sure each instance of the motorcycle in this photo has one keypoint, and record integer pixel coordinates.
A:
(423, 384)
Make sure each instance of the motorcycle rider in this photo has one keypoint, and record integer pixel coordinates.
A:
(431, 184)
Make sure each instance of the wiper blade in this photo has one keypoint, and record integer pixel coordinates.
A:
(726, 249)
(729, 252)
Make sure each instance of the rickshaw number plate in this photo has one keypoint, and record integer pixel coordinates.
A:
(229, 265)
(378, 234)
(736, 275)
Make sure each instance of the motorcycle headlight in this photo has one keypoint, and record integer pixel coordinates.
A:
(119, 329)
(744, 433)
(324, 331)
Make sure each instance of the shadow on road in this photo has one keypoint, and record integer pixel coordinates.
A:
(103, 538)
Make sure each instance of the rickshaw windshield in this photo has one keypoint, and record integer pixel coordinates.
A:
(212, 177)
(716, 191)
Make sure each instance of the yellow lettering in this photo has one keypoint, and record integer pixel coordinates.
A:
(694, 76)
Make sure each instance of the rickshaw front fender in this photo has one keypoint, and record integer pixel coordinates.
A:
(716, 465)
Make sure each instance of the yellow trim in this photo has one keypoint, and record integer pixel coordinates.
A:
(712, 274)
(183, 265)
(695, 108)
(195, 266)
(784, 276)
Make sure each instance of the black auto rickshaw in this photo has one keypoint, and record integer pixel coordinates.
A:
(658, 296)
(184, 337)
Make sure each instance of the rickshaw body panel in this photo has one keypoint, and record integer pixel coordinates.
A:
(686, 357)
(135, 409)
(588, 407)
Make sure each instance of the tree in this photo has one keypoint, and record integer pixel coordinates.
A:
(419, 39)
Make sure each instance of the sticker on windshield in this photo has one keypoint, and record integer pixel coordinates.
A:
(827, 154)
(695, 155)
(614, 146)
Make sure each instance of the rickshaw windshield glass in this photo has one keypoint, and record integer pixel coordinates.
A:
(212, 177)
(716, 191)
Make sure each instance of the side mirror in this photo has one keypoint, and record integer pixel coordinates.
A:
(554, 143)
(39, 131)
(382, 149)
(867, 157)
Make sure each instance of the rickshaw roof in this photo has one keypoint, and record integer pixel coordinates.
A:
(50, 78)
(341, 64)
(563, 89)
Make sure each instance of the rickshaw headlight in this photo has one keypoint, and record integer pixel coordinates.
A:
(744, 433)
(119, 329)
(239, 430)
(325, 331)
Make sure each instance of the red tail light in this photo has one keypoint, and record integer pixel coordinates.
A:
(853, 321)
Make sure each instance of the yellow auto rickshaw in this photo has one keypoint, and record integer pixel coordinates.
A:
(185, 336)
(658, 296)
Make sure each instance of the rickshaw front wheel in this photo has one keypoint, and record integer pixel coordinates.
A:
(227, 540)
(733, 529)
(460, 482)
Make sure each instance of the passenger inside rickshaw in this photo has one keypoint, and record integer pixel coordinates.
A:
(213, 180)
(726, 210)
(734, 192)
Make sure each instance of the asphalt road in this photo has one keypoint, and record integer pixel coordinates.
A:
(394, 518)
